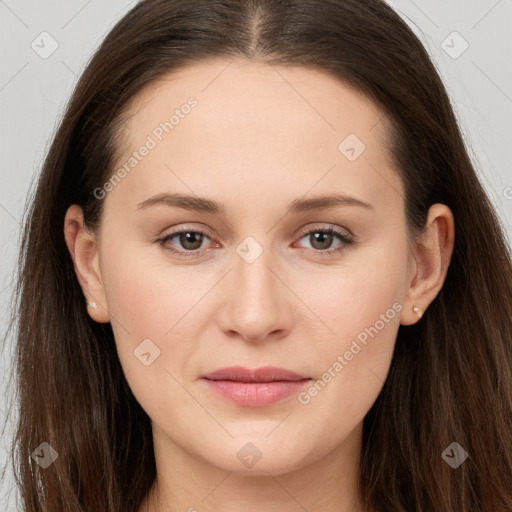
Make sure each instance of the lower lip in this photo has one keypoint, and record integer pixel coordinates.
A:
(256, 394)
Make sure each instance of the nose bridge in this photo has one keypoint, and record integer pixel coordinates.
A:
(256, 287)
(256, 305)
(254, 279)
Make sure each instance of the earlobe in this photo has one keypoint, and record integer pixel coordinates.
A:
(432, 254)
(83, 250)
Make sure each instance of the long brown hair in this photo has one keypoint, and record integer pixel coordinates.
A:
(451, 375)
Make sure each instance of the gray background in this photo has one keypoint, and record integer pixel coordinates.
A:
(34, 91)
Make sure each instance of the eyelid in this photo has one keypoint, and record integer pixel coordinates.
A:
(185, 229)
(324, 227)
(346, 239)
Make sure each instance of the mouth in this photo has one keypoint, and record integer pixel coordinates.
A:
(260, 387)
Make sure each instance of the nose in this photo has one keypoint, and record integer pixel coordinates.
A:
(256, 304)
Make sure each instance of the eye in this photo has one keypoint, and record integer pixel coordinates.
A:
(189, 239)
(321, 240)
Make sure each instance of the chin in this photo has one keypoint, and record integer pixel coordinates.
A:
(251, 460)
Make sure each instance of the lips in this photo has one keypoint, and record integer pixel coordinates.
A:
(265, 374)
(260, 387)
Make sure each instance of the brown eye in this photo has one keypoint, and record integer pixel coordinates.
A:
(321, 240)
(190, 240)
(185, 242)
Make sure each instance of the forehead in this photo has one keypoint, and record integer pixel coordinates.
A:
(254, 121)
(305, 99)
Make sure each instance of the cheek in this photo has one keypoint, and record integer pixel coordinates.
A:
(353, 294)
(152, 305)
(146, 291)
(360, 303)
(351, 370)
(149, 298)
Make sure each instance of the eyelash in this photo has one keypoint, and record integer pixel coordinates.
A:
(347, 241)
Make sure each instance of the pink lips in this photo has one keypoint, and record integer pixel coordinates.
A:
(254, 388)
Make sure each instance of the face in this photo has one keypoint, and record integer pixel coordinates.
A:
(290, 252)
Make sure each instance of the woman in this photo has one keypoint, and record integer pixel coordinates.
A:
(259, 272)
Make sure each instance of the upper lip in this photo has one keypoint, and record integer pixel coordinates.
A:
(264, 374)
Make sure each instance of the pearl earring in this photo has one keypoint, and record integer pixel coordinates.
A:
(417, 310)
(92, 305)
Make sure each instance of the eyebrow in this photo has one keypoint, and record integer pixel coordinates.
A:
(201, 204)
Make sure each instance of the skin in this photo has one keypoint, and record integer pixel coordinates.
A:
(259, 138)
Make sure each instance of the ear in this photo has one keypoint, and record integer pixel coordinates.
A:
(430, 259)
(82, 245)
